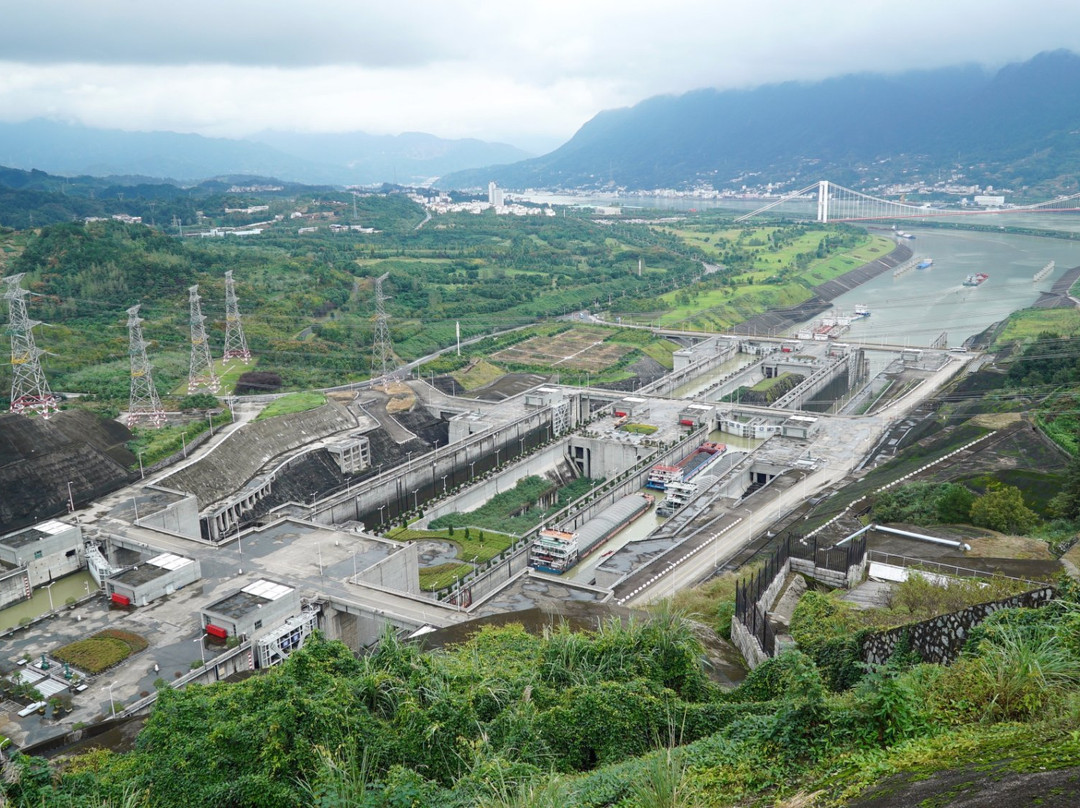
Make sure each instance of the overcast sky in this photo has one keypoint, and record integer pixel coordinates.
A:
(527, 73)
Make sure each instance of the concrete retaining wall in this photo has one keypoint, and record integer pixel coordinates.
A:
(385, 497)
(232, 661)
(399, 570)
(236, 459)
(940, 639)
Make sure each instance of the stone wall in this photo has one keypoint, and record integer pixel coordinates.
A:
(940, 639)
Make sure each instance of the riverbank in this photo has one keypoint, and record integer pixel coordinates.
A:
(779, 320)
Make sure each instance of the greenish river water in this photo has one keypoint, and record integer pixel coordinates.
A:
(77, 586)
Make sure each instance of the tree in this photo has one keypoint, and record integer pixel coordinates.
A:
(954, 503)
(1002, 508)
(1066, 502)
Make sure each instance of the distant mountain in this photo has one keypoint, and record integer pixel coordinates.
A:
(1018, 126)
(348, 159)
(411, 158)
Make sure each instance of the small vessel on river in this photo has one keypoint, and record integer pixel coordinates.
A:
(976, 279)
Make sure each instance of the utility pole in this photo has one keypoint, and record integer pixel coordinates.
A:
(201, 375)
(145, 403)
(235, 344)
(29, 389)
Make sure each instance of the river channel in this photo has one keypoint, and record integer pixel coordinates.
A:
(915, 308)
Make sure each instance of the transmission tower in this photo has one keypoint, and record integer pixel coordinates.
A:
(201, 376)
(382, 355)
(235, 344)
(29, 390)
(145, 403)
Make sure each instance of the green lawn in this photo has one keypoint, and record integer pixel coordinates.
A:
(472, 549)
(157, 444)
(433, 579)
(293, 402)
(1027, 324)
(768, 384)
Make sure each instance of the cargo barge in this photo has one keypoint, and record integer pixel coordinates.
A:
(976, 279)
(660, 475)
(556, 551)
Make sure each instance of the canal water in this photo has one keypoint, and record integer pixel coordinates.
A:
(699, 383)
(647, 522)
(77, 586)
(915, 308)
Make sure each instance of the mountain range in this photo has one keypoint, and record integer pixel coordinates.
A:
(1017, 126)
(1013, 128)
(353, 158)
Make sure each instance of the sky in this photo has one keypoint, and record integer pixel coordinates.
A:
(526, 73)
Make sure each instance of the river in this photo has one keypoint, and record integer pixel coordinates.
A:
(919, 305)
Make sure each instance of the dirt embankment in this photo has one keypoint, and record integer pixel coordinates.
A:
(782, 319)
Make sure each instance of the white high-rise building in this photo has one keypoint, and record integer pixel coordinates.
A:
(495, 195)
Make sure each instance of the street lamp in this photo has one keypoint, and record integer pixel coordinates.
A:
(71, 499)
(202, 652)
(415, 501)
(444, 483)
(112, 704)
(473, 463)
(142, 473)
(381, 509)
(48, 588)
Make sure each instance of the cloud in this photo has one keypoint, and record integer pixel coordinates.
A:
(237, 32)
(510, 70)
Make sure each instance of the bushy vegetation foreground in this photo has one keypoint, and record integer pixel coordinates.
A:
(622, 716)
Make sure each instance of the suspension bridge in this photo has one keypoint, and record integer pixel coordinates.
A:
(835, 203)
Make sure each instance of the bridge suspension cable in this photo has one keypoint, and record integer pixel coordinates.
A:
(835, 203)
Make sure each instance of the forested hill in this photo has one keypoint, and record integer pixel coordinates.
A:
(1011, 128)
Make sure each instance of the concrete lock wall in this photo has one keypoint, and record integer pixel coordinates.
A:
(179, 518)
(940, 639)
(402, 489)
(491, 580)
(400, 570)
(664, 385)
(43, 570)
(603, 458)
(536, 464)
(14, 587)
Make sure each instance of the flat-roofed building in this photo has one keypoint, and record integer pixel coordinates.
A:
(47, 551)
(152, 579)
(252, 611)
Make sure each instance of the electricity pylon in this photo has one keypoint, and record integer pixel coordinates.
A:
(145, 404)
(235, 344)
(201, 375)
(29, 389)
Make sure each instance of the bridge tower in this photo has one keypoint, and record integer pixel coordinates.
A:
(29, 389)
(145, 404)
(823, 202)
(235, 344)
(382, 354)
(201, 375)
